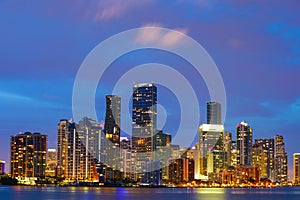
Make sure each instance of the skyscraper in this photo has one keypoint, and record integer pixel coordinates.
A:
(213, 112)
(260, 159)
(112, 131)
(112, 119)
(28, 157)
(244, 143)
(144, 117)
(92, 137)
(75, 163)
(211, 150)
(269, 144)
(296, 159)
(281, 162)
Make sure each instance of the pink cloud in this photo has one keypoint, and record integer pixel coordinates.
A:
(156, 36)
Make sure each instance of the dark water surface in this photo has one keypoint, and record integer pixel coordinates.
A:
(85, 193)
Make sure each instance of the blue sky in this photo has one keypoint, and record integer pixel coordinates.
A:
(255, 44)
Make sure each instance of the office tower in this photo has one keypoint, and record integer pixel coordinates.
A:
(260, 159)
(92, 138)
(269, 144)
(74, 162)
(28, 157)
(244, 143)
(2, 167)
(112, 119)
(112, 131)
(144, 117)
(211, 150)
(296, 159)
(213, 113)
(51, 162)
(281, 166)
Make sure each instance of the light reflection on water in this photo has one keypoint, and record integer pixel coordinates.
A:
(87, 193)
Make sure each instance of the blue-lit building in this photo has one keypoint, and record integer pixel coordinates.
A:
(144, 117)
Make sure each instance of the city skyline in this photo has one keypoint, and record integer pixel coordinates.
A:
(213, 160)
(254, 44)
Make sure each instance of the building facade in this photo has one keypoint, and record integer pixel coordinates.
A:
(75, 162)
(214, 113)
(296, 158)
(281, 161)
(244, 144)
(113, 119)
(211, 149)
(269, 144)
(144, 117)
(260, 159)
(28, 157)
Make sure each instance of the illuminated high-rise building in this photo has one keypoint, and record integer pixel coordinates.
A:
(28, 157)
(281, 161)
(112, 131)
(244, 144)
(112, 119)
(212, 155)
(296, 158)
(144, 117)
(51, 162)
(268, 143)
(260, 159)
(214, 113)
(92, 138)
(75, 163)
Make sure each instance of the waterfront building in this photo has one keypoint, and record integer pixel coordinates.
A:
(75, 163)
(281, 161)
(180, 170)
(28, 157)
(296, 158)
(244, 144)
(211, 150)
(260, 159)
(51, 162)
(269, 144)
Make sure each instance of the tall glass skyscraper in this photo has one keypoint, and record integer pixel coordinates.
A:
(281, 160)
(75, 163)
(213, 113)
(144, 117)
(244, 144)
(112, 119)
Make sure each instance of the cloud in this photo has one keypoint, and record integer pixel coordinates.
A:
(107, 9)
(6, 96)
(156, 36)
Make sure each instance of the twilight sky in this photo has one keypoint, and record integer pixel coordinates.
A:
(255, 44)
